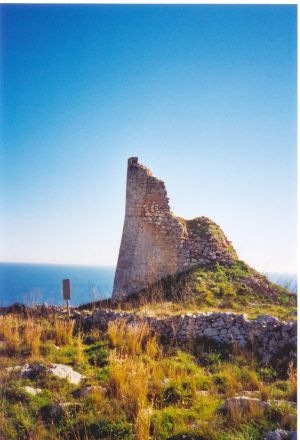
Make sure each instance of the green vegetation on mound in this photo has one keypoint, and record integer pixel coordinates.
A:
(208, 230)
(236, 287)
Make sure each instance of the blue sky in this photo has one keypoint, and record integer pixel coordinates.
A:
(204, 95)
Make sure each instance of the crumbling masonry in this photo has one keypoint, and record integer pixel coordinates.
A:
(155, 243)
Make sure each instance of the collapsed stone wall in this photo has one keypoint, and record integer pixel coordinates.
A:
(155, 243)
(270, 337)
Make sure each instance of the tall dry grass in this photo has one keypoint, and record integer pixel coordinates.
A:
(10, 333)
(18, 333)
(292, 378)
(80, 358)
(32, 332)
(142, 423)
(28, 334)
(128, 383)
(132, 339)
(64, 330)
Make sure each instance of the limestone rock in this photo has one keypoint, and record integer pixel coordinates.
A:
(66, 372)
(225, 328)
(280, 434)
(85, 391)
(33, 371)
(36, 370)
(244, 405)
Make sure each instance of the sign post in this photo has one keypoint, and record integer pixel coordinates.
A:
(67, 293)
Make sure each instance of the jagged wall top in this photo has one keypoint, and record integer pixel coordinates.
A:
(155, 243)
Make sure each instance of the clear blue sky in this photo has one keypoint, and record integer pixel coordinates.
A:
(204, 95)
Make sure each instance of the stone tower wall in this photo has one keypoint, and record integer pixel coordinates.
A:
(155, 243)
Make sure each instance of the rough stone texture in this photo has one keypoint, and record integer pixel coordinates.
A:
(87, 390)
(243, 405)
(280, 434)
(34, 370)
(274, 340)
(155, 243)
(66, 372)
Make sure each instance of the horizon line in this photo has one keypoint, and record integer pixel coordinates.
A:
(114, 266)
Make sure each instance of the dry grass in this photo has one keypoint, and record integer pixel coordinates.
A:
(10, 333)
(142, 424)
(116, 332)
(64, 331)
(32, 336)
(265, 392)
(238, 415)
(18, 333)
(292, 378)
(80, 358)
(128, 382)
(132, 339)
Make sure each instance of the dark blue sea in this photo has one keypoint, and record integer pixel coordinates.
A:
(42, 283)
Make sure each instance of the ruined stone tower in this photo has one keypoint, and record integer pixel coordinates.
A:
(155, 243)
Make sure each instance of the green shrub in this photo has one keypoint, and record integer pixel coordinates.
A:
(98, 354)
(103, 429)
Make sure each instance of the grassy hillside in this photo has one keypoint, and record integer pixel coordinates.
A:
(237, 288)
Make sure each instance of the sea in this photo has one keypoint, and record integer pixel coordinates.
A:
(42, 283)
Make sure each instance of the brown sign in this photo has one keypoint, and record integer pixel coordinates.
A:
(66, 289)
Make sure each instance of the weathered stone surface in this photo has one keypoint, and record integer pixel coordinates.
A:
(280, 434)
(36, 370)
(66, 372)
(85, 391)
(54, 412)
(33, 371)
(155, 243)
(244, 405)
(276, 340)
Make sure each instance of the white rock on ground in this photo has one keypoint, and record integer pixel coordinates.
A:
(14, 369)
(31, 390)
(66, 372)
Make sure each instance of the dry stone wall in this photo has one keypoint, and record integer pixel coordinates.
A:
(270, 337)
(155, 243)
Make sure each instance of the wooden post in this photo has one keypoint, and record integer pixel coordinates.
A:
(67, 293)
